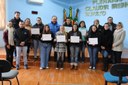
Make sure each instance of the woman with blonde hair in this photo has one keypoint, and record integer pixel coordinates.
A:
(28, 26)
(60, 48)
(119, 36)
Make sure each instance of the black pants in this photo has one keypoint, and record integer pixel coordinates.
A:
(60, 59)
(28, 49)
(9, 54)
(68, 52)
(117, 57)
(55, 53)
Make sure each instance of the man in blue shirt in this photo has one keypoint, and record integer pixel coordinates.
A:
(54, 27)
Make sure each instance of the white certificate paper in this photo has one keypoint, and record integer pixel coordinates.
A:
(83, 32)
(46, 37)
(75, 39)
(93, 41)
(68, 29)
(61, 38)
(35, 31)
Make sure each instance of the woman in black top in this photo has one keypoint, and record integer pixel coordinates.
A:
(74, 46)
(106, 45)
(68, 24)
(93, 48)
(45, 47)
(35, 37)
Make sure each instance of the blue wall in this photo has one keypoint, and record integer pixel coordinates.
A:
(55, 7)
(45, 11)
(119, 15)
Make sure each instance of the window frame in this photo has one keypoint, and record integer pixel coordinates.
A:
(3, 14)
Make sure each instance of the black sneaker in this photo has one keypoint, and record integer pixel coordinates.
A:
(17, 67)
(25, 66)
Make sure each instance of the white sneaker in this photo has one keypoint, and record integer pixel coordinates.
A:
(57, 68)
(94, 68)
(41, 68)
(61, 68)
(90, 67)
(47, 67)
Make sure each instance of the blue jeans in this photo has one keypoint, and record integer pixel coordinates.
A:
(74, 50)
(18, 51)
(45, 49)
(36, 46)
(104, 53)
(93, 52)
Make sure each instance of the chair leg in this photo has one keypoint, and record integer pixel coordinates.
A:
(106, 82)
(118, 83)
(17, 80)
(2, 82)
(10, 82)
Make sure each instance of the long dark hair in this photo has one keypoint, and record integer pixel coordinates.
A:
(44, 30)
(82, 22)
(91, 28)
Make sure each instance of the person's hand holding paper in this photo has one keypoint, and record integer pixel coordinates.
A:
(93, 41)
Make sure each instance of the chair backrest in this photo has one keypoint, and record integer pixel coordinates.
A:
(5, 66)
(119, 70)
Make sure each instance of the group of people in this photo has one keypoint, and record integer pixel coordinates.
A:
(18, 37)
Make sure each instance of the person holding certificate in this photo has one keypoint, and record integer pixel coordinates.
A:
(100, 29)
(106, 45)
(35, 35)
(61, 39)
(93, 46)
(46, 39)
(68, 25)
(82, 29)
(74, 37)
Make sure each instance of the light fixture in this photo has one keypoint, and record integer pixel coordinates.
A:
(36, 1)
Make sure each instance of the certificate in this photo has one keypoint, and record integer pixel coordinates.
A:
(61, 38)
(83, 32)
(46, 37)
(75, 39)
(35, 31)
(93, 41)
(68, 29)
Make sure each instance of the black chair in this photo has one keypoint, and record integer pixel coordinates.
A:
(117, 74)
(6, 73)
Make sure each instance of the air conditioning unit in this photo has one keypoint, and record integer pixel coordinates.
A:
(36, 1)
